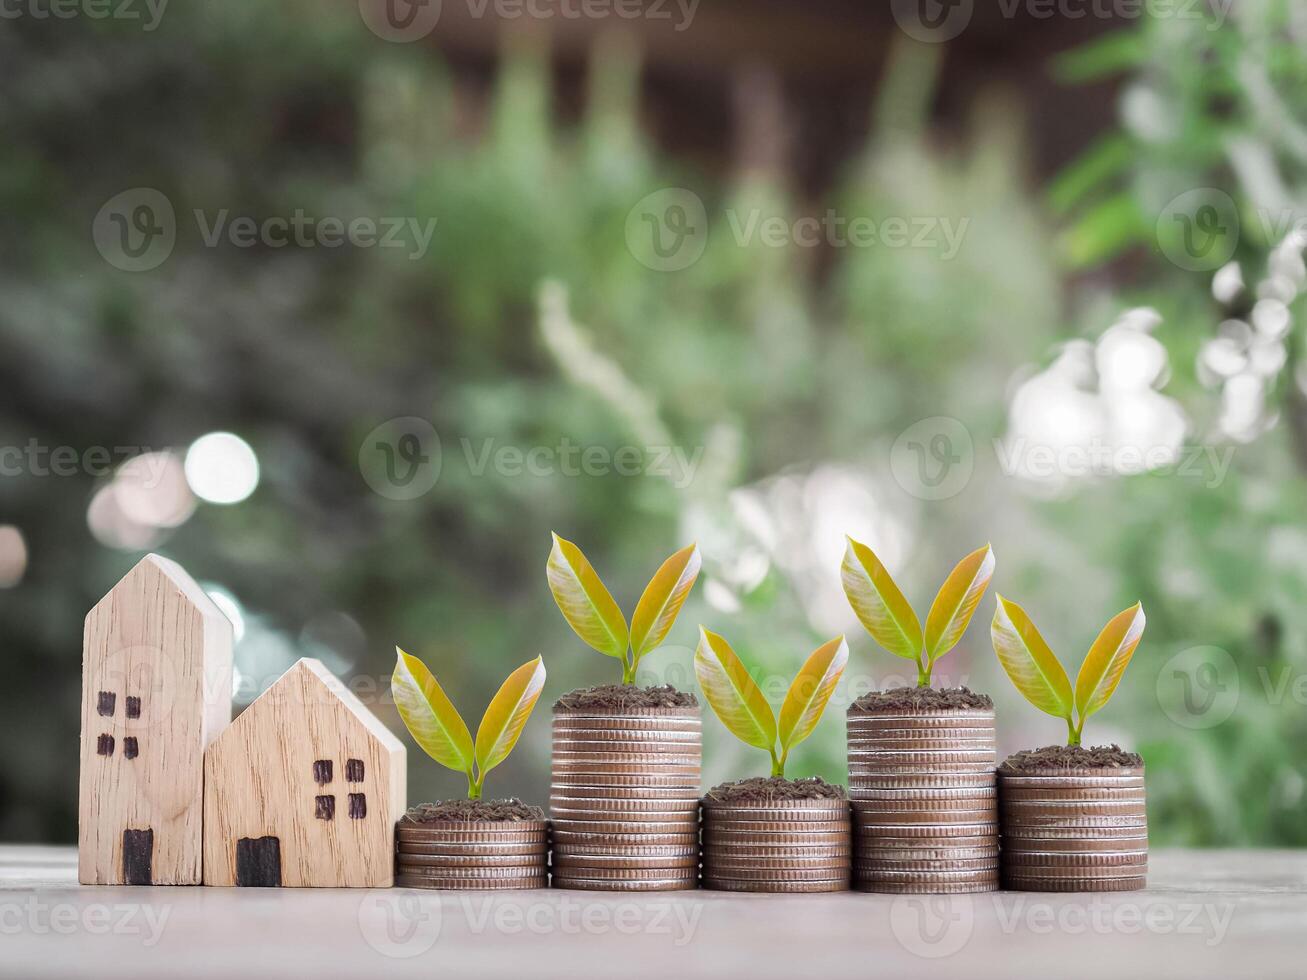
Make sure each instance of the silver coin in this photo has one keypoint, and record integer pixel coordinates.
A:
(668, 884)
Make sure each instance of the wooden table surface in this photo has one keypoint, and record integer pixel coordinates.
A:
(1219, 914)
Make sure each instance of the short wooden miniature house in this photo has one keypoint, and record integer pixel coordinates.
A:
(156, 690)
(303, 790)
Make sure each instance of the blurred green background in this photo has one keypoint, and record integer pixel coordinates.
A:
(1100, 372)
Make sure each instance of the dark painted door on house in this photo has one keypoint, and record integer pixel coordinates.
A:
(258, 862)
(138, 856)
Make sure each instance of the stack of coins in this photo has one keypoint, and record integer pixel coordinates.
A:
(925, 805)
(624, 799)
(1081, 830)
(776, 846)
(473, 854)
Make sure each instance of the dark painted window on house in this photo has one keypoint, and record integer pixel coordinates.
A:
(104, 745)
(324, 807)
(104, 703)
(130, 749)
(322, 772)
(133, 707)
(354, 771)
(358, 806)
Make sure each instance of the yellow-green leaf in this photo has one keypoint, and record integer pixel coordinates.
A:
(430, 717)
(811, 690)
(1028, 660)
(1107, 660)
(879, 603)
(584, 601)
(732, 693)
(956, 602)
(662, 600)
(508, 711)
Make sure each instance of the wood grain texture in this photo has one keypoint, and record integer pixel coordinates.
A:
(156, 690)
(267, 776)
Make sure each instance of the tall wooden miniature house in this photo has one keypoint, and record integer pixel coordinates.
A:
(156, 690)
(303, 790)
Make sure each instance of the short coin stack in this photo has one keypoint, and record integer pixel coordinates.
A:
(624, 798)
(473, 854)
(776, 846)
(1081, 830)
(925, 806)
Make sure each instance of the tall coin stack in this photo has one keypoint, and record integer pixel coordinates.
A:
(925, 805)
(776, 846)
(625, 798)
(1081, 830)
(473, 854)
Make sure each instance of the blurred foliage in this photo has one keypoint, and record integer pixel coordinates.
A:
(1217, 562)
(786, 372)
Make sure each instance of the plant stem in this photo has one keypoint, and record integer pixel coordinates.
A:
(923, 673)
(1072, 733)
(778, 763)
(628, 668)
(473, 787)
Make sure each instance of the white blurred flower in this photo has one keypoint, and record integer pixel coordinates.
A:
(1146, 430)
(805, 517)
(1227, 284)
(1096, 410)
(1221, 358)
(1243, 402)
(1128, 359)
(1271, 319)
(1267, 358)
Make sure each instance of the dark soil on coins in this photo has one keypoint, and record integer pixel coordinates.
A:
(1071, 757)
(922, 699)
(487, 811)
(622, 696)
(762, 789)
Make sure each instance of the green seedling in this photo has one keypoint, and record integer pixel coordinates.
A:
(740, 704)
(593, 614)
(891, 622)
(1039, 676)
(436, 725)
